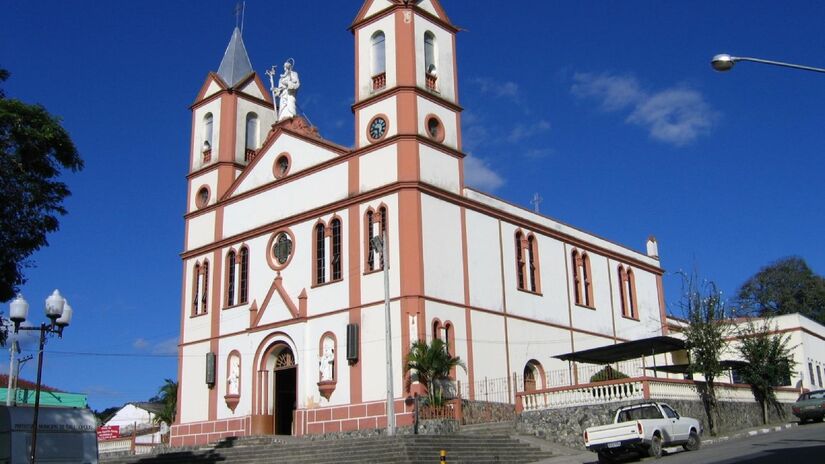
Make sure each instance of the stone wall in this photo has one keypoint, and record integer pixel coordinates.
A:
(566, 425)
(477, 412)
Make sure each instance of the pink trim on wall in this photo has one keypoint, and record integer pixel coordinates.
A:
(201, 433)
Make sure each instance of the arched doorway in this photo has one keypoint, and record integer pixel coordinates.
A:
(277, 390)
(533, 376)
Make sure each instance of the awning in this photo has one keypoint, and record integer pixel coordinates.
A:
(624, 351)
(683, 368)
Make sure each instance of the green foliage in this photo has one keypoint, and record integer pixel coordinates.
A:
(608, 373)
(34, 148)
(431, 364)
(705, 335)
(104, 415)
(770, 361)
(785, 287)
(168, 395)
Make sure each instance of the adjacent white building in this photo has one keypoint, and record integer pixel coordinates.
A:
(282, 316)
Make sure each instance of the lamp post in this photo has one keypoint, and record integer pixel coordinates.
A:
(724, 62)
(60, 314)
(379, 243)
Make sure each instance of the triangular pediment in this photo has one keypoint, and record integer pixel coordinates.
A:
(434, 8)
(211, 85)
(371, 8)
(254, 87)
(303, 152)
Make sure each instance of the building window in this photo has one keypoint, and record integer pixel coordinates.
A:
(582, 280)
(202, 197)
(376, 226)
(230, 279)
(281, 167)
(205, 287)
(436, 329)
(207, 137)
(243, 285)
(627, 292)
(527, 268)
(533, 377)
(430, 59)
(251, 136)
(196, 279)
(818, 375)
(811, 371)
(378, 61)
(434, 128)
(335, 261)
(320, 254)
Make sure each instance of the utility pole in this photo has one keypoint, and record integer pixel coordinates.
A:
(14, 348)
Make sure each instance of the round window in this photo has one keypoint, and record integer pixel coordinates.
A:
(282, 248)
(281, 166)
(434, 128)
(202, 198)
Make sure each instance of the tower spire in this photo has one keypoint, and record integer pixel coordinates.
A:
(235, 64)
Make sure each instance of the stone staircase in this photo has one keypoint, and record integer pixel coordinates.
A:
(491, 446)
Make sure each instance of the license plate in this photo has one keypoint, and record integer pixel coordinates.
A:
(614, 444)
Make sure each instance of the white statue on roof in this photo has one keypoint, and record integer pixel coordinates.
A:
(287, 91)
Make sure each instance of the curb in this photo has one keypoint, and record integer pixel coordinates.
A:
(750, 433)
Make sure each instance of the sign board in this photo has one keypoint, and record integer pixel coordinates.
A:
(107, 432)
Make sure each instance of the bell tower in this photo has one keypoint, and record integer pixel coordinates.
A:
(230, 119)
(405, 75)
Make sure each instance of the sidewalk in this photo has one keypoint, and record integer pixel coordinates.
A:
(565, 455)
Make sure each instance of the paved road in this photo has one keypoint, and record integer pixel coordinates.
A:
(798, 445)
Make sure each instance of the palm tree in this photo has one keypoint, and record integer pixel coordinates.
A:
(431, 364)
(168, 395)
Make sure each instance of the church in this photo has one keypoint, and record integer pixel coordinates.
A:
(289, 238)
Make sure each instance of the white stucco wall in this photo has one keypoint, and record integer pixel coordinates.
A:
(208, 179)
(213, 107)
(439, 169)
(447, 117)
(387, 107)
(442, 241)
(373, 352)
(201, 230)
(378, 168)
(489, 354)
(266, 117)
(193, 403)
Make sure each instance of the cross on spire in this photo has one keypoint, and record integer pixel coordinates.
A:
(240, 7)
(536, 201)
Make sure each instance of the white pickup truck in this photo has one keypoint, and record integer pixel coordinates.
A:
(643, 428)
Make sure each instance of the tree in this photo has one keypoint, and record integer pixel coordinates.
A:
(705, 335)
(431, 364)
(168, 395)
(34, 148)
(785, 287)
(769, 361)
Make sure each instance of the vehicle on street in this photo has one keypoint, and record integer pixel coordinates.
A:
(810, 406)
(644, 429)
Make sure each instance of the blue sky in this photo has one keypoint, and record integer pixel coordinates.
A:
(609, 110)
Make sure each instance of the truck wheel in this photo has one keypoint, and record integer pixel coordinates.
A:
(605, 458)
(693, 443)
(655, 448)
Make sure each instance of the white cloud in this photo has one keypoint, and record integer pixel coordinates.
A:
(478, 174)
(140, 344)
(522, 132)
(615, 92)
(168, 346)
(499, 89)
(537, 153)
(677, 115)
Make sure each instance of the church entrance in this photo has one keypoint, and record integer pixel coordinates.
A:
(276, 391)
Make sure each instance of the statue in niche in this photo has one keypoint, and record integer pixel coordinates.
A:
(287, 91)
(326, 365)
(234, 376)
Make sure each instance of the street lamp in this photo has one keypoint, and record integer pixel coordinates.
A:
(60, 314)
(378, 243)
(724, 62)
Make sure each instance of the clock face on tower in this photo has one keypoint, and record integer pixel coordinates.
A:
(377, 128)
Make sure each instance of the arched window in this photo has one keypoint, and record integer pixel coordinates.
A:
(587, 279)
(205, 287)
(207, 137)
(320, 254)
(520, 261)
(436, 329)
(196, 279)
(244, 277)
(378, 60)
(230, 278)
(251, 136)
(335, 259)
(576, 261)
(376, 226)
(533, 376)
(633, 310)
(449, 337)
(430, 60)
(531, 262)
(623, 291)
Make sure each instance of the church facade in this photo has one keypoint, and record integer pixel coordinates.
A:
(282, 309)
